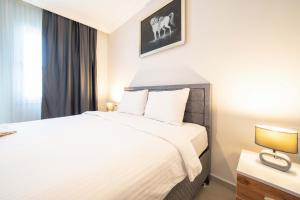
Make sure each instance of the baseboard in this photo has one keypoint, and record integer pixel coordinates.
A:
(227, 184)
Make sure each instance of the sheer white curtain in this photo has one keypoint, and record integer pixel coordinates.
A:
(20, 61)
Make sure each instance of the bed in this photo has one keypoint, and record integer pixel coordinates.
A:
(99, 155)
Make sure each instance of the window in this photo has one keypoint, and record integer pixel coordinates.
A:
(32, 58)
(20, 61)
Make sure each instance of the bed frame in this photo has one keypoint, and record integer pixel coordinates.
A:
(198, 111)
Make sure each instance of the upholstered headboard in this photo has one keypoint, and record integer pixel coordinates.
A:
(198, 107)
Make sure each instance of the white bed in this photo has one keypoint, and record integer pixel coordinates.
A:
(98, 156)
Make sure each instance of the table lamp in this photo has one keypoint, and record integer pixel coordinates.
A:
(110, 106)
(276, 139)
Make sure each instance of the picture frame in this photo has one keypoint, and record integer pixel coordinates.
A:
(163, 29)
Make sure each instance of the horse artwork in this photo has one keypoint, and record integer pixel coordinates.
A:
(164, 29)
(162, 23)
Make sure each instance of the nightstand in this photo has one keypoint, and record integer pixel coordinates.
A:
(256, 181)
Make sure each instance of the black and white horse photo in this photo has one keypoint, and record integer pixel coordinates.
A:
(162, 23)
(163, 29)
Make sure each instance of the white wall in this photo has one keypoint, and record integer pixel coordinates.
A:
(249, 50)
(102, 64)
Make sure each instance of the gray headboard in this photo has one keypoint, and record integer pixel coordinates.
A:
(198, 107)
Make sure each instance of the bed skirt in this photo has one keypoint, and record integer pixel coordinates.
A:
(186, 190)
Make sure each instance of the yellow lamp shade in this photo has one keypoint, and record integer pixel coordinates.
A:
(279, 139)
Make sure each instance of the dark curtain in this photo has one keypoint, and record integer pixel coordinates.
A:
(69, 67)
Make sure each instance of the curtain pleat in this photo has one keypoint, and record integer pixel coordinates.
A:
(69, 67)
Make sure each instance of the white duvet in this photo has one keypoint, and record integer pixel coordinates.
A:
(94, 156)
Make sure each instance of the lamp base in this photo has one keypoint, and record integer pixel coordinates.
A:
(275, 160)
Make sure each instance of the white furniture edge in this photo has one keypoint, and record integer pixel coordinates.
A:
(294, 193)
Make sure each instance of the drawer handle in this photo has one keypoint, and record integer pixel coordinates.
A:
(268, 198)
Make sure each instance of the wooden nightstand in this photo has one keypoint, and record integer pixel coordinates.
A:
(256, 181)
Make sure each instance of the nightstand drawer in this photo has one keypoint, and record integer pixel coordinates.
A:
(249, 189)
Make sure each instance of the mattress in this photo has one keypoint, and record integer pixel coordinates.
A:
(95, 156)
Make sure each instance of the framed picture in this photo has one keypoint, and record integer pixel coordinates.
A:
(163, 29)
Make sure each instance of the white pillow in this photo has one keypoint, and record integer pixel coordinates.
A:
(133, 102)
(167, 106)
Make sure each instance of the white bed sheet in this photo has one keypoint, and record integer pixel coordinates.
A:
(198, 136)
(195, 133)
(94, 156)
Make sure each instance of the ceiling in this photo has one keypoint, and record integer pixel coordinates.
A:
(104, 15)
